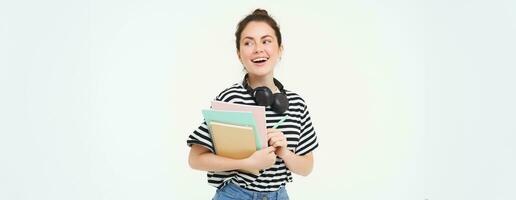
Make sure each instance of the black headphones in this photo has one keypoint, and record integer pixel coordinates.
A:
(264, 96)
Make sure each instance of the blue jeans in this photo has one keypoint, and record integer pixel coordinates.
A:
(231, 191)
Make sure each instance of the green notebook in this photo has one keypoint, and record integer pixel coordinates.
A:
(235, 118)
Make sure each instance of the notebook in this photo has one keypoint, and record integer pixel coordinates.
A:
(258, 114)
(233, 141)
(235, 118)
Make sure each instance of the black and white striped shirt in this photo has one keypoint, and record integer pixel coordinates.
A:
(298, 129)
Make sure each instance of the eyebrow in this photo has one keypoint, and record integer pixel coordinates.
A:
(249, 37)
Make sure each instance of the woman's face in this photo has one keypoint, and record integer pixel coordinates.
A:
(259, 50)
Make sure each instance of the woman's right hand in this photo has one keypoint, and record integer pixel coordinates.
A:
(262, 159)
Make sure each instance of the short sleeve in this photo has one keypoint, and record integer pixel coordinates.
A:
(201, 136)
(307, 139)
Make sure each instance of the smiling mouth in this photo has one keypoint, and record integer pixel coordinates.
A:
(259, 60)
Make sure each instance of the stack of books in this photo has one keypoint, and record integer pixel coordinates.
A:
(237, 130)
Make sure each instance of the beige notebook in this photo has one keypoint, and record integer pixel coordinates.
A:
(233, 141)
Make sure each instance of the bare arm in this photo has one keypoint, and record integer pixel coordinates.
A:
(301, 165)
(201, 158)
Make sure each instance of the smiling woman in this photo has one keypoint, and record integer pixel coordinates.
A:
(260, 50)
(258, 43)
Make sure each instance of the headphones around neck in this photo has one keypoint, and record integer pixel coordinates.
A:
(264, 96)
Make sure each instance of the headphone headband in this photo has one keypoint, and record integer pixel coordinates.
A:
(251, 90)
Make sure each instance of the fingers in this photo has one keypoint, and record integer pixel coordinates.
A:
(273, 140)
(272, 130)
(271, 134)
(270, 149)
(275, 133)
(278, 141)
(279, 144)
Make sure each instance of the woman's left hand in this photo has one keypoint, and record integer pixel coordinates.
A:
(278, 140)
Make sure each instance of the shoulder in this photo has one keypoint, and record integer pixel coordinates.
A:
(230, 92)
(295, 99)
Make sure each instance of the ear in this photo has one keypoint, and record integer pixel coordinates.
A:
(280, 51)
(238, 54)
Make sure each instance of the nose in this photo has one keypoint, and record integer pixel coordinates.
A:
(258, 48)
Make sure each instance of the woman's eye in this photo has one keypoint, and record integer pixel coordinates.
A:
(267, 41)
(247, 43)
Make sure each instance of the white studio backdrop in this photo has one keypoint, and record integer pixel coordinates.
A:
(410, 99)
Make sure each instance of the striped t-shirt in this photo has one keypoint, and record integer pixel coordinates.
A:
(298, 130)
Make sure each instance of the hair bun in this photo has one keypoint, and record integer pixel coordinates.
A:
(260, 11)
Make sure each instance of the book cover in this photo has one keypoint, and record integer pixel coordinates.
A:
(232, 141)
(258, 114)
(235, 118)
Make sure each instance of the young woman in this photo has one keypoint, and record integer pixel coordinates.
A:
(259, 48)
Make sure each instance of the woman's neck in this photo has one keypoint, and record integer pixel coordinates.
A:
(258, 81)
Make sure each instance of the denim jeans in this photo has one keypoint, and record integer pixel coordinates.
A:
(231, 191)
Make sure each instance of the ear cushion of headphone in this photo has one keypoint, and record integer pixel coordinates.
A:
(280, 103)
(263, 96)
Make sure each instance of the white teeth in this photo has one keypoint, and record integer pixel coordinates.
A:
(259, 59)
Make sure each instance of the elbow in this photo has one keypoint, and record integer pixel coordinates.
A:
(308, 167)
(306, 172)
(303, 172)
(195, 157)
(193, 162)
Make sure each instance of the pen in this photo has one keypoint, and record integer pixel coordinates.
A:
(280, 121)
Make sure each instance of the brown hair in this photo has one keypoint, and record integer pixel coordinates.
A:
(260, 15)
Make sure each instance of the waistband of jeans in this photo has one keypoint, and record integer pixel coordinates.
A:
(230, 183)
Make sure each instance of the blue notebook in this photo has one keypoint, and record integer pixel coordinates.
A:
(235, 118)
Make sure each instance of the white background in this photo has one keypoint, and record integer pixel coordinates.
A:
(410, 99)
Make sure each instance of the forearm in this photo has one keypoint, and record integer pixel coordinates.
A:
(209, 161)
(201, 158)
(301, 165)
